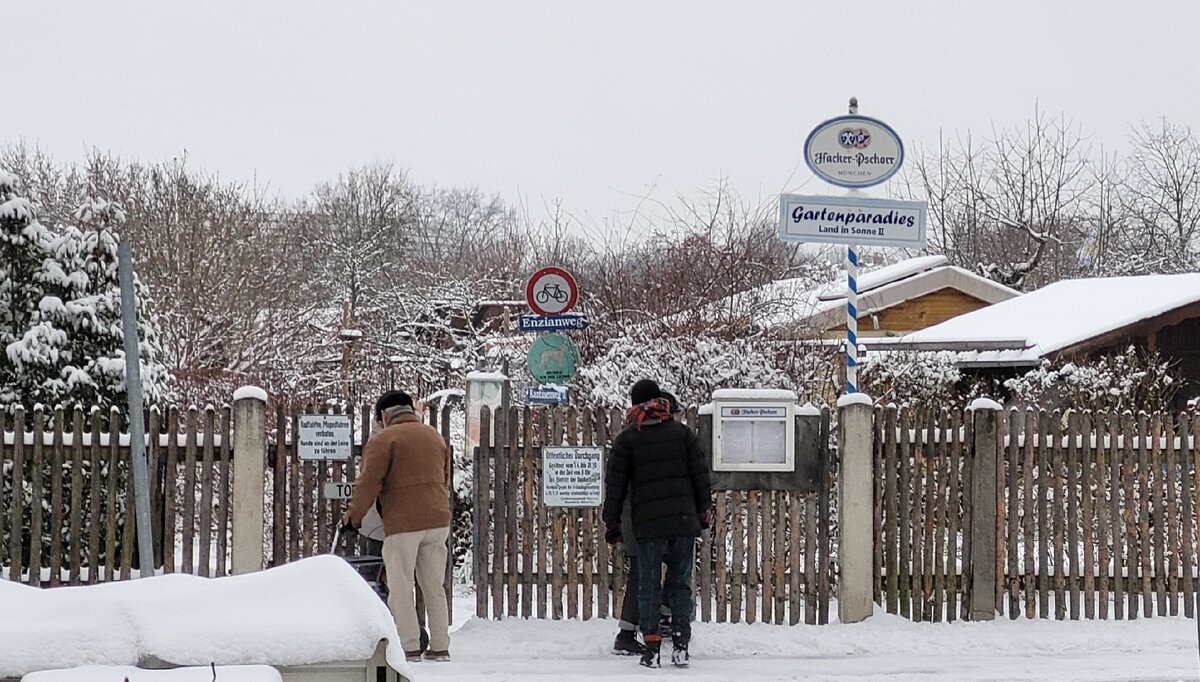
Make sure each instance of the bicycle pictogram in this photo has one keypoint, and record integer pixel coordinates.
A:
(552, 291)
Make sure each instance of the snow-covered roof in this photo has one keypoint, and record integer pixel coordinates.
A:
(1059, 316)
(794, 302)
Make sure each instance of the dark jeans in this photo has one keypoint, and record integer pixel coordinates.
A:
(679, 555)
(630, 618)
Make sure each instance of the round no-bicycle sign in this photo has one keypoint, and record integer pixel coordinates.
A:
(551, 291)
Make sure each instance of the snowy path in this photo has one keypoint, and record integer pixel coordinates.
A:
(887, 648)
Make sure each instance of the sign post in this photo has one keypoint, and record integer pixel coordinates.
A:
(137, 429)
(853, 152)
(552, 293)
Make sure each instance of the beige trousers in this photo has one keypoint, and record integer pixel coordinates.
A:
(421, 553)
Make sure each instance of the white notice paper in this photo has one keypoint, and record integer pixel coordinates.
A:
(573, 477)
(323, 436)
(749, 441)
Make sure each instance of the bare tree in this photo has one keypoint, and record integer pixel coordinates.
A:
(1164, 191)
(1003, 208)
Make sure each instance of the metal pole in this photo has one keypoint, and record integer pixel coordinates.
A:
(852, 302)
(137, 429)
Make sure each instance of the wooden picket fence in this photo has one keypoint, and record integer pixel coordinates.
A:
(1095, 514)
(78, 466)
(767, 558)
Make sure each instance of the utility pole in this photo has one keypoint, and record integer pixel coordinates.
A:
(137, 427)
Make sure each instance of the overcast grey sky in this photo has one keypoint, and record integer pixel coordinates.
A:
(590, 103)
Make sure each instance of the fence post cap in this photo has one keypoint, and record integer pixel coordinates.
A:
(250, 393)
(855, 399)
(985, 404)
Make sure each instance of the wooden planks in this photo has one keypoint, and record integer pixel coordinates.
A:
(224, 524)
(75, 533)
(528, 547)
(16, 511)
(56, 461)
(37, 477)
(1095, 515)
(207, 481)
(1186, 507)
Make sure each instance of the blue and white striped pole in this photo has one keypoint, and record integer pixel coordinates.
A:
(851, 319)
(852, 300)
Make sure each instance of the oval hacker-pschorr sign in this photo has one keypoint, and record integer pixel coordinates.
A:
(854, 151)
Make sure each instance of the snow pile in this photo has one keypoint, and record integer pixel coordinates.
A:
(250, 392)
(310, 611)
(753, 394)
(854, 399)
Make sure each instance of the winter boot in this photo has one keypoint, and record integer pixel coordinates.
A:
(653, 646)
(627, 644)
(439, 656)
(679, 650)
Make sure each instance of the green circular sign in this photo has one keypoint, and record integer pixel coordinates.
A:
(553, 359)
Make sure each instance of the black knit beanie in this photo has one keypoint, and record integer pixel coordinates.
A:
(644, 391)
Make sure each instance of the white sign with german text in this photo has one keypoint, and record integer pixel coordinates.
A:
(338, 490)
(572, 476)
(324, 436)
(852, 220)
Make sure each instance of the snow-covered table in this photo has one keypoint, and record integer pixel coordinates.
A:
(314, 611)
(119, 673)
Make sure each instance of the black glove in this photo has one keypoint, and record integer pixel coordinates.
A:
(612, 535)
(705, 519)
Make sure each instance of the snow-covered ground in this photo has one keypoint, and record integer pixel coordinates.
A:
(884, 648)
(320, 610)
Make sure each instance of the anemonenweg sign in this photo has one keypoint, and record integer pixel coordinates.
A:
(572, 476)
(854, 151)
(852, 220)
(323, 436)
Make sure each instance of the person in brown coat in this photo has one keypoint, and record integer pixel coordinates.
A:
(404, 467)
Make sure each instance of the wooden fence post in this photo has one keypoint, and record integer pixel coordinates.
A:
(249, 490)
(856, 502)
(985, 414)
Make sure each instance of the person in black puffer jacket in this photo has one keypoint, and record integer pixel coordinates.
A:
(658, 464)
(626, 642)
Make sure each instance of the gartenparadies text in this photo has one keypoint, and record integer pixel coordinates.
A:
(851, 217)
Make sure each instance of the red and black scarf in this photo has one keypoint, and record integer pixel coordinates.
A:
(657, 408)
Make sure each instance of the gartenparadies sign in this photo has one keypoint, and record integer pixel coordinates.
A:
(852, 220)
(854, 151)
